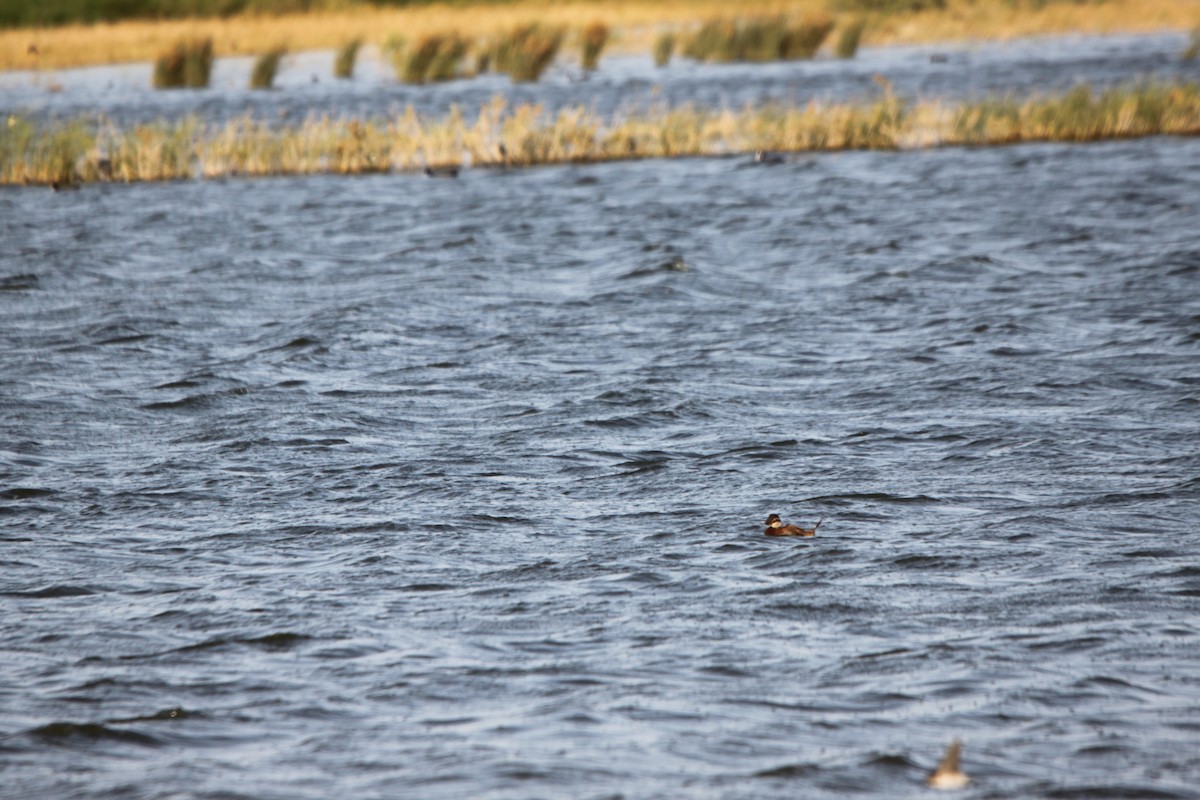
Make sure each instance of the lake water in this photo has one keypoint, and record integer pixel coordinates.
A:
(392, 487)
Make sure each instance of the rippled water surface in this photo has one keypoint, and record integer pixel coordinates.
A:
(395, 487)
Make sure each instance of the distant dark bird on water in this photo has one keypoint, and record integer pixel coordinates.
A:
(948, 775)
(767, 157)
(441, 172)
(63, 186)
(775, 527)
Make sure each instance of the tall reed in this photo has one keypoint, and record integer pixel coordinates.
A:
(804, 38)
(187, 64)
(664, 47)
(262, 76)
(849, 38)
(594, 37)
(526, 51)
(447, 62)
(1193, 47)
(434, 57)
(343, 63)
(758, 39)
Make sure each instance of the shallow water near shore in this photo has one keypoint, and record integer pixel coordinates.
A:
(397, 487)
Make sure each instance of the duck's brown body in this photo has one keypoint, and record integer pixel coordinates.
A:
(948, 775)
(775, 527)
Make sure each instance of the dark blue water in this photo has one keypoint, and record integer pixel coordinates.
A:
(393, 487)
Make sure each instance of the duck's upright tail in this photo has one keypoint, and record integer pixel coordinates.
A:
(822, 519)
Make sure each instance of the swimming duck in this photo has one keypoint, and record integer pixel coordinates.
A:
(766, 157)
(775, 527)
(441, 172)
(948, 775)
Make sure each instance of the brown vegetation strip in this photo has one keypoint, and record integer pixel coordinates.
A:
(635, 25)
(526, 135)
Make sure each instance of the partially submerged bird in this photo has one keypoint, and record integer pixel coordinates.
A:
(948, 775)
(766, 157)
(775, 527)
(441, 172)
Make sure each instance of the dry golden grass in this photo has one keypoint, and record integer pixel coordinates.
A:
(635, 25)
(527, 135)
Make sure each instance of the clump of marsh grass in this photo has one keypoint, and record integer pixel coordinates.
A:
(1193, 47)
(69, 152)
(758, 39)
(593, 39)
(526, 51)
(890, 6)
(433, 57)
(262, 76)
(343, 62)
(664, 48)
(446, 63)
(804, 39)
(186, 65)
(30, 153)
(1080, 115)
(849, 38)
(712, 38)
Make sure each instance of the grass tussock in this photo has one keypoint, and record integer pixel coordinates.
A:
(344, 60)
(592, 41)
(1193, 46)
(79, 151)
(849, 37)
(891, 6)
(1080, 115)
(262, 75)
(432, 57)
(187, 65)
(526, 51)
(664, 48)
(758, 39)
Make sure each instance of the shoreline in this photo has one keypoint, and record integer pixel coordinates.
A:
(635, 25)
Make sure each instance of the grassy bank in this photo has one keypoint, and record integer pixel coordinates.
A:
(635, 24)
(526, 135)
